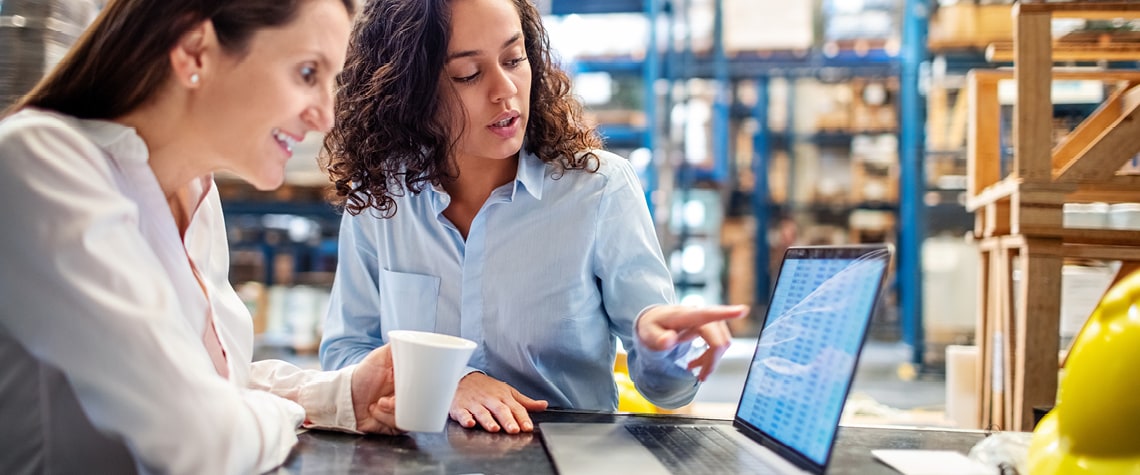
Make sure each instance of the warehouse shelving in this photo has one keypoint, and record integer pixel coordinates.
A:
(728, 68)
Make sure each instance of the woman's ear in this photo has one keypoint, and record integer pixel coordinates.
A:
(190, 61)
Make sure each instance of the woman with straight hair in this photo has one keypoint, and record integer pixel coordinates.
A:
(124, 346)
(480, 204)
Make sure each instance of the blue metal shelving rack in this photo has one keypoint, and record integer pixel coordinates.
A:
(912, 179)
(649, 69)
(567, 7)
(762, 67)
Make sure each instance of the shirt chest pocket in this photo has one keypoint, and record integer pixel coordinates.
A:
(408, 301)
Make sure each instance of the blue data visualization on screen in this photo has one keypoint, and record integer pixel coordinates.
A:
(807, 351)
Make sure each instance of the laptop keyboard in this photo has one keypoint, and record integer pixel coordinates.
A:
(698, 449)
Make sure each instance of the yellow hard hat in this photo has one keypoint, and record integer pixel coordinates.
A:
(629, 400)
(1093, 428)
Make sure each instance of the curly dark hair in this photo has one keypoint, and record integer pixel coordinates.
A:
(392, 133)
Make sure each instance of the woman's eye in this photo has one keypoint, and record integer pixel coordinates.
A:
(466, 78)
(514, 63)
(309, 74)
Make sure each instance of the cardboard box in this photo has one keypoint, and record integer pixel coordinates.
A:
(767, 25)
(968, 25)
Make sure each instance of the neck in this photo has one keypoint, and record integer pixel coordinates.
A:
(478, 177)
(175, 156)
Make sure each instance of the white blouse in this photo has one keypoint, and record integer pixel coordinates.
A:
(101, 320)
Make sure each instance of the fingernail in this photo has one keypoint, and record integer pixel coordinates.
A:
(512, 428)
(527, 426)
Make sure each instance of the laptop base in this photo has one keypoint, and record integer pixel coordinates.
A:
(610, 449)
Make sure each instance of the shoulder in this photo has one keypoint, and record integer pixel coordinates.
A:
(607, 174)
(604, 167)
(40, 133)
(30, 123)
(37, 143)
(617, 171)
(611, 164)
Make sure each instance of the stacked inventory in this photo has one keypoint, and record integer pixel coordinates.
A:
(36, 34)
(861, 25)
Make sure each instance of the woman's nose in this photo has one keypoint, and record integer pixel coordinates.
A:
(504, 86)
(319, 117)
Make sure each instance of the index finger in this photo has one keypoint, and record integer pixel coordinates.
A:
(686, 318)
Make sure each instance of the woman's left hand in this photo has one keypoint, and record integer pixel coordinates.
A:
(373, 391)
(664, 327)
(493, 404)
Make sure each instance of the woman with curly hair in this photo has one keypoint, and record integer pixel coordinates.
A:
(479, 204)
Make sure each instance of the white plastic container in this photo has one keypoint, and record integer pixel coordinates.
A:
(1085, 215)
(962, 386)
(1081, 289)
(1124, 216)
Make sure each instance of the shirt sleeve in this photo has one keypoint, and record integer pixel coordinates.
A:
(84, 293)
(352, 324)
(326, 396)
(633, 277)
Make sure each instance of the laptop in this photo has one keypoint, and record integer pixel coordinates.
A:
(797, 383)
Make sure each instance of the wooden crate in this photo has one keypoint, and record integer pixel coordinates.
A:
(966, 25)
(873, 183)
(1090, 45)
(1019, 214)
(738, 239)
(946, 122)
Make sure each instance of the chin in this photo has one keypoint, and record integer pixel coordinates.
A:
(509, 151)
(267, 183)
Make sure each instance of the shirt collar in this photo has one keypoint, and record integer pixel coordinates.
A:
(121, 142)
(531, 172)
(125, 147)
(530, 176)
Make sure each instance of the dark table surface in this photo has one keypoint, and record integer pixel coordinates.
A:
(471, 451)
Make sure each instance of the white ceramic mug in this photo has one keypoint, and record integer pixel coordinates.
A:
(427, 367)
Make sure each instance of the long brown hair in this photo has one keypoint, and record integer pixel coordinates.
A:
(392, 135)
(123, 57)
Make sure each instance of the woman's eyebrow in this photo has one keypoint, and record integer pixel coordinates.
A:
(474, 52)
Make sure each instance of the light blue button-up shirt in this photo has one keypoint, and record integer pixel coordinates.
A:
(556, 265)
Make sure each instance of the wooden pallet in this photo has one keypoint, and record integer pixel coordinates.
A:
(965, 25)
(1002, 51)
(1019, 213)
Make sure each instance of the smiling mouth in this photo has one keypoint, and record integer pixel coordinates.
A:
(287, 142)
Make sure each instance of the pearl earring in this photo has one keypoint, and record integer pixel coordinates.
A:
(194, 79)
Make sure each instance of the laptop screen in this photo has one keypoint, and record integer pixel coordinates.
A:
(805, 359)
